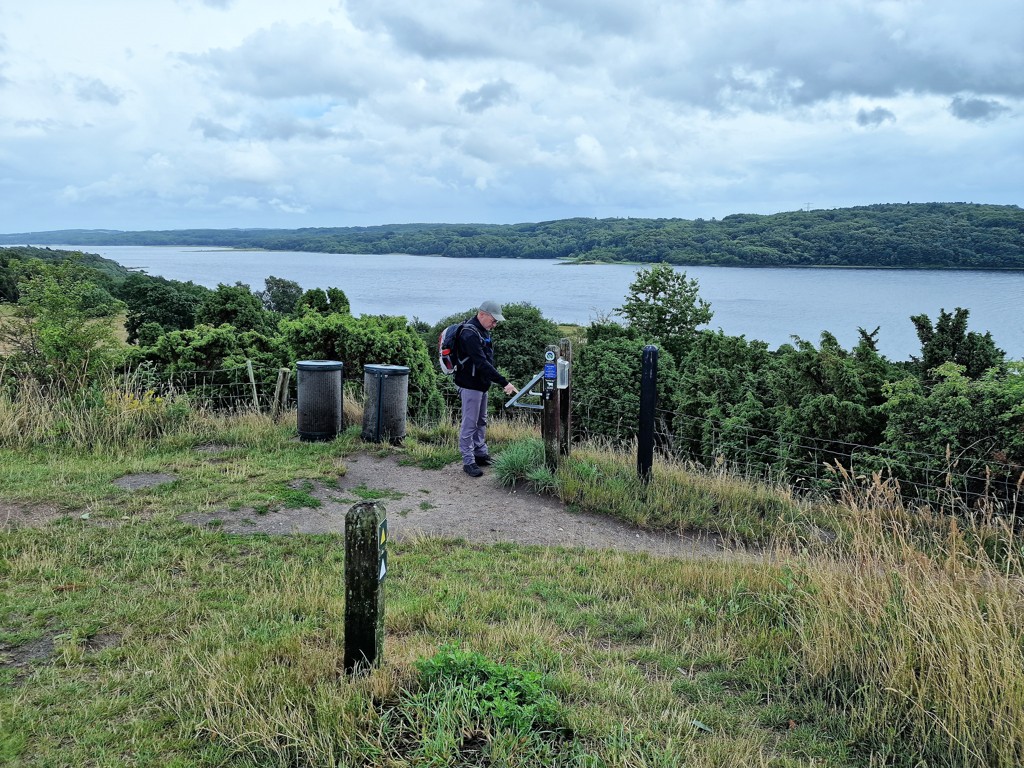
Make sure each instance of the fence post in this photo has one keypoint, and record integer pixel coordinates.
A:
(252, 382)
(648, 404)
(564, 380)
(551, 421)
(366, 564)
(281, 390)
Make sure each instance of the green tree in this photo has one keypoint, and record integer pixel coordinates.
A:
(62, 330)
(237, 306)
(208, 349)
(948, 340)
(325, 302)
(962, 432)
(169, 304)
(606, 381)
(665, 307)
(722, 400)
(281, 295)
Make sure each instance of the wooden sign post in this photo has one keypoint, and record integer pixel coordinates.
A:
(551, 420)
(366, 565)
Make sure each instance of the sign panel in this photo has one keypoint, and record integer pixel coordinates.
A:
(382, 548)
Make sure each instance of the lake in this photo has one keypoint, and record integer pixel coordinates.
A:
(767, 304)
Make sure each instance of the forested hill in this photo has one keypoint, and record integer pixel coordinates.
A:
(921, 235)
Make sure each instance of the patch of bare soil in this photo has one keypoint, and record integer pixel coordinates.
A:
(22, 658)
(27, 515)
(448, 503)
(143, 480)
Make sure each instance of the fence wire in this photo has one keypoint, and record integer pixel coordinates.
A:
(971, 474)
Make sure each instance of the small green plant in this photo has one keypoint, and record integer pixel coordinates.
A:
(374, 494)
(542, 480)
(518, 460)
(298, 498)
(511, 697)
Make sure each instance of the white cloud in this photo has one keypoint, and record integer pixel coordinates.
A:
(247, 113)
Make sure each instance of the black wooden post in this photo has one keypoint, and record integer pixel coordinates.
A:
(366, 564)
(551, 421)
(648, 404)
(564, 384)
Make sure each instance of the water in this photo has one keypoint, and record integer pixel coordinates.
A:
(767, 304)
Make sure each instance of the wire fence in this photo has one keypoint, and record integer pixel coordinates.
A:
(974, 476)
(971, 477)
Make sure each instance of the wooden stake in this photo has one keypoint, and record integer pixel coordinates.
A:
(366, 565)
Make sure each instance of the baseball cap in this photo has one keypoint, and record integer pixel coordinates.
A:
(493, 309)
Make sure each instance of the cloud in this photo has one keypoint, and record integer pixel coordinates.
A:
(487, 96)
(3, 62)
(976, 110)
(93, 89)
(220, 5)
(874, 117)
(268, 127)
(253, 162)
(292, 61)
(315, 113)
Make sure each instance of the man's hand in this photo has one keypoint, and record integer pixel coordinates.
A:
(510, 389)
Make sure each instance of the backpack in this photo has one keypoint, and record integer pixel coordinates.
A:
(447, 352)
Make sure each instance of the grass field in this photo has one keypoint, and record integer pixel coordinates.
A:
(128, 638)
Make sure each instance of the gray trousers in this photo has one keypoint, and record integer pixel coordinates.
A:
(472, 434)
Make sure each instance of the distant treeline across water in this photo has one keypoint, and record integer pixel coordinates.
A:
(772, 305)
(910, 236)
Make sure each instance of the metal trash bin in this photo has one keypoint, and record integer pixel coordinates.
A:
(386, 397)
(320, 399)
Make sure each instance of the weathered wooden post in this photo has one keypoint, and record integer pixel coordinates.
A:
(252, 383)
(366, 565)
(564, 386)
(284, 375)
(648, 404)
(551, 421)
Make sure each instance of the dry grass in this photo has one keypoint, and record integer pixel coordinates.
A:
(914, 631)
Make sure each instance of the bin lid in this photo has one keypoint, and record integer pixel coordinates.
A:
(319, 365)
(387, 370)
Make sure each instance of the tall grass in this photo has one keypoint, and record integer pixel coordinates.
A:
(907, 621)
(914, 630)
(113, 416)
(603, 478)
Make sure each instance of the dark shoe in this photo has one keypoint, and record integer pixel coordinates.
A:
(484, 461)
(472, 470)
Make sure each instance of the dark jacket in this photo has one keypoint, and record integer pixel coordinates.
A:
(478, 372)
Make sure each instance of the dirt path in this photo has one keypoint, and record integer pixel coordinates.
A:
(447, 502)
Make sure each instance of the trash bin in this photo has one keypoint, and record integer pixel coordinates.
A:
(320, 399)
(386, 397)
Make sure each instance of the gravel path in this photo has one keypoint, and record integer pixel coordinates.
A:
(446, 502)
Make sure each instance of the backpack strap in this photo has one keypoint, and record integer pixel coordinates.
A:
(455, 342)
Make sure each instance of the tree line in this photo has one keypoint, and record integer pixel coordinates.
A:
(910, 236)
(951, 417)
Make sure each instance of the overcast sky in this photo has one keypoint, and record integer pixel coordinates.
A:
(169, 114)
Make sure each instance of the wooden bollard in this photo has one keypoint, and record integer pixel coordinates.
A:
(366, 565)
(648, 406)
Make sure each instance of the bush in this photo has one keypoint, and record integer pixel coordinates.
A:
(368, 340)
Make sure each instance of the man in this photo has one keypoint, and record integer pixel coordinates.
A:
(473, 378)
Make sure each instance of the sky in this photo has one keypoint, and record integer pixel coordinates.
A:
(175, 114)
